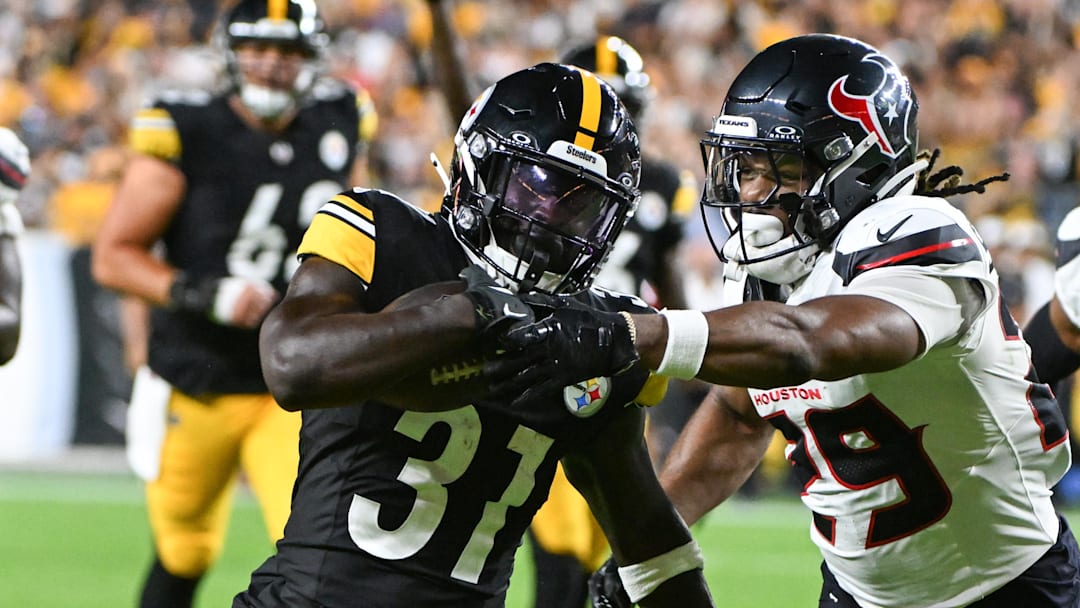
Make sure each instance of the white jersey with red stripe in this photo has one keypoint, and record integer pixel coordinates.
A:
(929, 484)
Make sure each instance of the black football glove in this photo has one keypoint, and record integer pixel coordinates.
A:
(569, 346)
(606, 588)
(497, 308)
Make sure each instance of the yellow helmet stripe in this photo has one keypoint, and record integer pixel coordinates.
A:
(607, 62)
(277, 9)
(590, 111)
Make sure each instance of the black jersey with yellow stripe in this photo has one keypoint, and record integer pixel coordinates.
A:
(250, 194)
(668, 197)
(396, 508)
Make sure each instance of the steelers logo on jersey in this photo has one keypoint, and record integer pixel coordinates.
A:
(334, 150)
(586, 398)
(281, 152)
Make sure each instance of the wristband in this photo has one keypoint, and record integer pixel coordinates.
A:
(688, 336)
(640, 580)
(191, 296)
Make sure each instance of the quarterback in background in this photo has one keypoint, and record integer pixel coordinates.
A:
(926, 447)
(204, 228)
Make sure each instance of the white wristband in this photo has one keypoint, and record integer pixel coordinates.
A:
(640, 580)
(688, 336)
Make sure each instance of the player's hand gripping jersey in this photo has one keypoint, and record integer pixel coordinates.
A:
(893, 495)
(386, 497)
(240, 218)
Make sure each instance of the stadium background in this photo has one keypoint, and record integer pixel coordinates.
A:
(996, 80)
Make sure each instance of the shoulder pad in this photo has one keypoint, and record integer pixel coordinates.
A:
(329, 89)
(186, 97)
(153, 132)
(905, 231)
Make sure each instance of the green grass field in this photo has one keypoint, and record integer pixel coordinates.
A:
(81, 540)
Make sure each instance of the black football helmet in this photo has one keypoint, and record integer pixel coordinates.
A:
(843, 111)
(619, 64)
(544, 177)
(292, 24)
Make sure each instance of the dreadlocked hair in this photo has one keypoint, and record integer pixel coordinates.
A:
(946, 182)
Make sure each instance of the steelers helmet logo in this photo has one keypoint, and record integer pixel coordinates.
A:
(334, 150)
(586, 398)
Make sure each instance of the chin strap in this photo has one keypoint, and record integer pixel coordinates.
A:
(761, 236)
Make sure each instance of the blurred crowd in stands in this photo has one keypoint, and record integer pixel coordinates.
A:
(997, 72)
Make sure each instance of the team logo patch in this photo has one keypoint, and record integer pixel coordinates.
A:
(334, 150)
(281, 152)
(586, 398)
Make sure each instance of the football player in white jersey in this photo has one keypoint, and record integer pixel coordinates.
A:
(1054, 331)
(926, 447)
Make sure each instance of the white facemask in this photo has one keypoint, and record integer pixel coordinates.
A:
(763, 235)
(264, 102)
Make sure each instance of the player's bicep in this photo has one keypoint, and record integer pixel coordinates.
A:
(855, 334)
(145, 201)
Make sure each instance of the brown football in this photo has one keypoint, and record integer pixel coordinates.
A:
(453, 383)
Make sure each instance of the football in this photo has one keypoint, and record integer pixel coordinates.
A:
(426, 293)
(449, 384)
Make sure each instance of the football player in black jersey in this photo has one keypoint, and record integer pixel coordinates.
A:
(226, 182)
(416, 485)
(14, 169)
(567, 543)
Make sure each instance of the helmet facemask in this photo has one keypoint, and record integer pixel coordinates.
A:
(299, 37)
(768, 196)
(538, 220)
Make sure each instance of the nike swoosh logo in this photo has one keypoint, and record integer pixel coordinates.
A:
(884, 236)
(509, 313)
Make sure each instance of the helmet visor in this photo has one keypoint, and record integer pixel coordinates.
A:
(566, 214)
(748, 173)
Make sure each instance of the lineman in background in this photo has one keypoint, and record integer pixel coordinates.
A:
(14, 169)
(204, 227)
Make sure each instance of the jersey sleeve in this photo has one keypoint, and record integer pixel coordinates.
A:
(653, 391)
(343, 231)
(153, 132)
(1067, 277)
(367, 119)
(686, 196)
(933, 303)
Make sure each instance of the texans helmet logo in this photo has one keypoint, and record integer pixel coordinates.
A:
(864, 108)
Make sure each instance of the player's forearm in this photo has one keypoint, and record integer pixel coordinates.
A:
(775, 354)
(133, 271)
(713, 456)
(331, 360)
